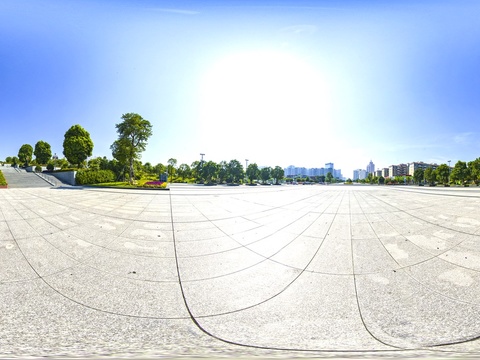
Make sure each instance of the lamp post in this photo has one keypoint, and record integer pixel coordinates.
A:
(246, 166)
(201, 162)
(449, 172)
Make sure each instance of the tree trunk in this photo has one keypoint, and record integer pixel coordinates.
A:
(131, 171)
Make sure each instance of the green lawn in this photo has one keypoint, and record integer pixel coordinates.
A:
(3, 182)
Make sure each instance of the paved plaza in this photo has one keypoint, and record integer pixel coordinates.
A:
(267, 271)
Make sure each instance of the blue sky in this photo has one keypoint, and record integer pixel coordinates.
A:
(278, 83)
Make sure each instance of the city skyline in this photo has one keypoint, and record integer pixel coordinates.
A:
(274, 82)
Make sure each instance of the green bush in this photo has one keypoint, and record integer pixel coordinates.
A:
(84, 177)
(3, 182)
(38, 168)
(50, 166)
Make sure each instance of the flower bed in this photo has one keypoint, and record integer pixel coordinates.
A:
(155, 185)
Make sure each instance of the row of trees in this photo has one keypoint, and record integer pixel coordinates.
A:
(42, 152)
(461, 174)
(232, 172)
(133, 133)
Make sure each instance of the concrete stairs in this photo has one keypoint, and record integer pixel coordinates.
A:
(19, 178)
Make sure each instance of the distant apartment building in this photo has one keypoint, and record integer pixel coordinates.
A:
(329, 169)
(359, 174)
(419, 165)
(378, 173)
(370, 168)
(293, 171)
(398, 170)
(385, 172)
(289, 171)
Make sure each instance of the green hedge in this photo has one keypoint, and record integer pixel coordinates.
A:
(3, 182)
(85, 177)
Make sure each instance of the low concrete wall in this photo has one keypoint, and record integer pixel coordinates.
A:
(67, 177)
(32, 168)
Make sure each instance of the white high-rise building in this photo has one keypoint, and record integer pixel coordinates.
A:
(359, 174)
(329, 169)
(371, 168)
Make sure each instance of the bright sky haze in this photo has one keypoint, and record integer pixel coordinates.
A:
(279, 83)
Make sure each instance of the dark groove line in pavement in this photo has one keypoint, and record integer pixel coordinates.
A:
(431, 290)
(43, 278)
(355, 286)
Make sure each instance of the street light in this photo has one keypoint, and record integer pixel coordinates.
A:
(449, 171)
(246, 166)
(201, 164)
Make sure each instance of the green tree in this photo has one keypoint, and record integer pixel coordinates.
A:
(418, 175)
(278, 174)
(209, 171)
(443, 173)
(235, 171)
(138, 170)
(252, 172)
(369, 178)
(460, 172)
(183, 171)
(381, 180)
(148, 168)
(160, 169)
(196, 170)
(430, 175)
(133, 133)
(43, 152)
(94, 164)
(329, 177)
(265, 174)
(8, 160)
(120, 151)
(474, 167)
(222, 171)
(118, 169)
(77, 145)
(172, 167)
(25, 154)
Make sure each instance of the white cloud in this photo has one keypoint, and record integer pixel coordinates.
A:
(463, 138)
(300, 29)
(176, 11)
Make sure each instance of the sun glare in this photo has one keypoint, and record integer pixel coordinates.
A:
(264, 88)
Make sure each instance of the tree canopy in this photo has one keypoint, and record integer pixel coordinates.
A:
(77, 145)
(265, 174)
(235, 171)
(133, 133)
(418, 175)
(329, 177)
(277, 173)
(209, 171)
(460, 172)
(443, 173)
(25, 154)
(43, 152)
(172, 167)
(252, 172)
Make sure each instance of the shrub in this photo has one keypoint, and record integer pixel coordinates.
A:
(3, 182)
(38, 168)
(50, 166)
(84, 177)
